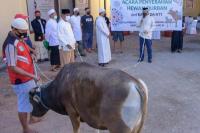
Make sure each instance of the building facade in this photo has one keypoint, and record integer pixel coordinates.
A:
(10, 7)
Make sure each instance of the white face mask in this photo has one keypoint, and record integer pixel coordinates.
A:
(67, 18)
(55, 17)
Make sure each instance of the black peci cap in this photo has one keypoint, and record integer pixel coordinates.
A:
(65, 11)
(145, 10)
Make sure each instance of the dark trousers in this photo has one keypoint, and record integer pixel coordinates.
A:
(54, 55)
(148, 43)
(87, 40)
(177, 41)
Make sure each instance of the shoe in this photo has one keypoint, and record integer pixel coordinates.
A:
(39, 60)
(149, 61)
(83, 55)
(101, 64)
(179, 51)
(140, 60)
(46, 59)
(89, 50)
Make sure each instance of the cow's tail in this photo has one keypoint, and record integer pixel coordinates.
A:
(143, 91)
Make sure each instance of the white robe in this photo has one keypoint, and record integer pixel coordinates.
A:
(51, 32)
(103, 43)
(65, 35)
(76, 27)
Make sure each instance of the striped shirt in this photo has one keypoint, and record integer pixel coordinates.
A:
(11, 55)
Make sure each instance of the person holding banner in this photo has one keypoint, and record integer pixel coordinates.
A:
(118, 35)
(103, 43)
(146, 28)
(177, 39)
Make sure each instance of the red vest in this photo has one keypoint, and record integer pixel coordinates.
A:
(24, 61)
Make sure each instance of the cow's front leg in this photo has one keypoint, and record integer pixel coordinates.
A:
(75, 120)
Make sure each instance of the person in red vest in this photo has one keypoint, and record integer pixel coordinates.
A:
(20, 69)
(27, 39)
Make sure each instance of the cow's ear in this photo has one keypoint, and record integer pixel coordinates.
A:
(36, 98)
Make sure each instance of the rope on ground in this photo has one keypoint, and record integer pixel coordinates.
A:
(139, 61)
(80, 56)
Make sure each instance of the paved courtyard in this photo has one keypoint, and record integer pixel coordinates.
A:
(173, 80)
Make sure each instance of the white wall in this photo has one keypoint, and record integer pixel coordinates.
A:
(7, 12)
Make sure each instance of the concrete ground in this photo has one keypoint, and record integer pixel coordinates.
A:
(173, 80)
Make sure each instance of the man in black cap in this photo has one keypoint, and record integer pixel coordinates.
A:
(66, 38)
(146, 27)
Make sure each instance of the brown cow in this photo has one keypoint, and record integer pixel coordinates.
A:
(104, 98)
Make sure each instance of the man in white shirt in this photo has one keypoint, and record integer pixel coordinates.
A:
(51, 35)
(76, 27)
(146, 28)
(103, 43)
(66, 38)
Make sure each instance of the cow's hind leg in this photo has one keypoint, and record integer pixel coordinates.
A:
(118, 127)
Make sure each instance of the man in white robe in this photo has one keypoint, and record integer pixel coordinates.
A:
(103, 43)
(52, 37)
(75, 21)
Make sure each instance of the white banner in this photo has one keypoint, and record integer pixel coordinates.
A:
(126, 14)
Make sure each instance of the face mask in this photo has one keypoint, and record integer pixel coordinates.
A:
(55, 17)
(67, 18)
(88, 13)
(77, 13)
(37, 17)
(144, 14)
(22, 35)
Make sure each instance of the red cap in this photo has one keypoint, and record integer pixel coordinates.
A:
(20, 15)
(37, 11)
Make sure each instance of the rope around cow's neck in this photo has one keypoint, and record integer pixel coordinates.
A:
(41, 101)
(37, 69)
(80, 56)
